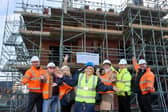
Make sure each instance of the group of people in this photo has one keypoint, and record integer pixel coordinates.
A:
(58, 90)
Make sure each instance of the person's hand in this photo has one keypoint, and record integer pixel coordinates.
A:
(41, 77)
(80, 69)
(113, 80)
(66, 57)
(133, 58)
(115, 89)
(68, 74)
(60, 74)
(114, 72)
(98, 71)
(54, 84)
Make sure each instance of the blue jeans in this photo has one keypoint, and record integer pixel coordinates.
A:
(51, 105)
(84, 107)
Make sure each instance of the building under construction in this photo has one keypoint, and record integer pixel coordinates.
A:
(52, 28)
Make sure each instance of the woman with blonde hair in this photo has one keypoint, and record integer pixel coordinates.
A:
(67, 94)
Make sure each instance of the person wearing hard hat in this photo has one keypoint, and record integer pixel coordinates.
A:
(51, 89)
(109, 78)
(88, 85)
(143, 84)
(32, 78)
(124, 85)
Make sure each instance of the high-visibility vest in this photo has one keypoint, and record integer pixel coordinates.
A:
(47, 86)
(106, 79)
(32, 78)
(147, 80)
(64, 89)
(124, 82)
(146, 83)
(86, 91)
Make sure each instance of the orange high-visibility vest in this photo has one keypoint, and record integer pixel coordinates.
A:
(47, 86)
(64, 89)
(32, 78)
(106, 81)
(146, 83)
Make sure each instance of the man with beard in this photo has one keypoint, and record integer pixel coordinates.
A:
(143, 84)
(50, 88)
(107, 103)
(32, 78)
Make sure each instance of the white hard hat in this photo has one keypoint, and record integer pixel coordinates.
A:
(106, 62)
(34, 58)
(51, 64)
(123, 62)
(142, 61)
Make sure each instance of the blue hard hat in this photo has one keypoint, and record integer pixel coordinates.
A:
(90, 64)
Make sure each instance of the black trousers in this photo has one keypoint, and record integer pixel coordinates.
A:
(66, 108)
(34, 99)
(145, 102)
(124, 103)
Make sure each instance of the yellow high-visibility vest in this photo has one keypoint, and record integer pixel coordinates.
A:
(124, 82)
(86, 90)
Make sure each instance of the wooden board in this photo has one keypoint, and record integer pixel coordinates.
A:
(149, 27)
(34, 33)
(32, 14)
(165, 36)
(92, 30)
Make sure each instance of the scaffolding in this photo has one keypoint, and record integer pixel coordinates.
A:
(146, 30)
(52, 28)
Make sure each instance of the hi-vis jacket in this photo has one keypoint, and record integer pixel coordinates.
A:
(47, 86)
(64, 89)
(107, 79)
(32, 78)
(146, 82)
(86, 91)
(124, 82)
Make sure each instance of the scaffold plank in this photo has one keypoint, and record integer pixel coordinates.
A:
(92, 30)
(31, 14)
(149, 27)
(35, 33)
